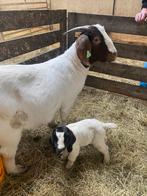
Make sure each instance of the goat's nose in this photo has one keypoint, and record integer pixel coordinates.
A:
(111, 56)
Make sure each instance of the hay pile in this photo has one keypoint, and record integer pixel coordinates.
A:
(125, 176)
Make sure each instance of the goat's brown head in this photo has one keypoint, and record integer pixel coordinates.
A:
(94, 44)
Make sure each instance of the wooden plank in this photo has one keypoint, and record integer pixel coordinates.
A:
(17, 34)
(49, 3)
(17, 47)
(11, 1)
(128, 38)
(9, 35)
(131, 51)
(117, 87)
(82, 6)
(23, 6)
(63, 28)
(95, 7)
(29, 55)
(112, 23)
(121, 70)
(1, 37)
(34, 1)
(54, 27)
(44, 57)
(13, 20)
(125, 8)
(59, 4)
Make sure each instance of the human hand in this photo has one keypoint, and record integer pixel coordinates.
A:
(141, 16)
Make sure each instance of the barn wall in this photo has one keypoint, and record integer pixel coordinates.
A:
(23, 4)
(107, 7)
(88, 6)
(127, 7)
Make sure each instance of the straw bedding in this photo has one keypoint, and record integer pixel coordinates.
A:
(125, 176)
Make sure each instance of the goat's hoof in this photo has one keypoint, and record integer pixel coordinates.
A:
(19, 169)
(69, 165)
(106, 161)
(63, 157)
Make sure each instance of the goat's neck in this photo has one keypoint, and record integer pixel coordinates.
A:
(71, 54)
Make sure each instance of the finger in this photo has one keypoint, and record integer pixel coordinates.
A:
(140, 17)
(137, 17)
(143, 16)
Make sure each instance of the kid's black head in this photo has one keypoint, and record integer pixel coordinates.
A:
(62, 138)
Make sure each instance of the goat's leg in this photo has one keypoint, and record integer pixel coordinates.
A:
(53, 123)
(64, 154)
(8, 151)
(63, 115)
(11, 167)
(100, 145)
(72, 157)
(64, 110)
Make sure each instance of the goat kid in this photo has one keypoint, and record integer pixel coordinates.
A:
(30, 95)
(67, 140)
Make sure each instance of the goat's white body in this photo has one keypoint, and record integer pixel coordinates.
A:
(85, 130)
(89, 131)
(39, 91)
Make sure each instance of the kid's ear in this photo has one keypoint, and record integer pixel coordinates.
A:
(69, 139)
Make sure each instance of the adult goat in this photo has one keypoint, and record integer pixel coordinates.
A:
(30, 95)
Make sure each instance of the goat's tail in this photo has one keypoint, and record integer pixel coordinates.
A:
(109, 125)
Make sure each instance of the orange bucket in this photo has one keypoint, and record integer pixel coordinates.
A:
(2, 171)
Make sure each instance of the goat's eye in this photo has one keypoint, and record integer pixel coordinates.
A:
(96, 40)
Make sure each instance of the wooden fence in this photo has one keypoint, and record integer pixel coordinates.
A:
(16, 20)
(130, 40)
(129, 37)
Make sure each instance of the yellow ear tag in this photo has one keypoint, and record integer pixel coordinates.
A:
(88, 55)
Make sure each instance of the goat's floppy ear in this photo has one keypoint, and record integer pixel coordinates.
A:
(69, 139)
(52, 135)
(83, 47)
(52, 139)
